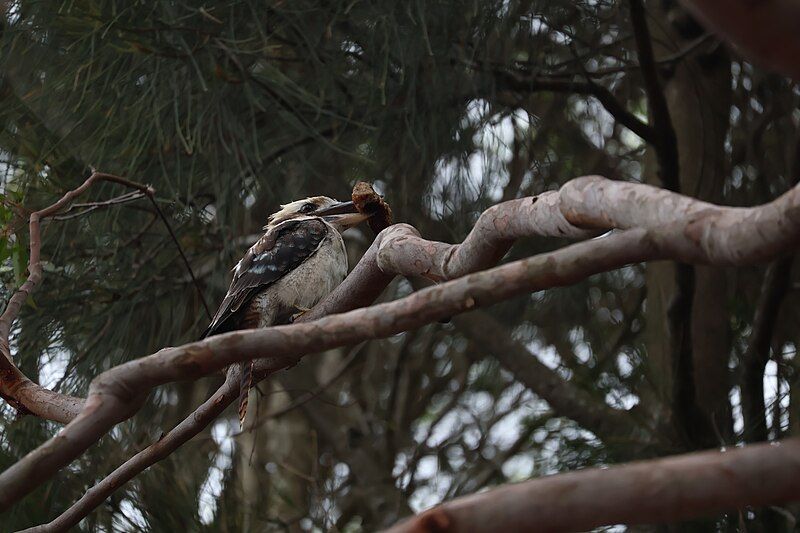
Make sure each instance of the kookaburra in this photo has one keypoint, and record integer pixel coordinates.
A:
(297, 262)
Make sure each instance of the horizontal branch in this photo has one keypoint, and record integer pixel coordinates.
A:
(116, 394)
(361, 287)
(682, 228)
(664, 225)
(516, 82)
(662, 490)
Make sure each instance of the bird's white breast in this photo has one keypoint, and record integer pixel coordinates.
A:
(306, 285)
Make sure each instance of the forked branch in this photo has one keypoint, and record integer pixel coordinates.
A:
(662, 225)
(25, 395)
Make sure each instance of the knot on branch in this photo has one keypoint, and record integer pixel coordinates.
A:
(434, 521)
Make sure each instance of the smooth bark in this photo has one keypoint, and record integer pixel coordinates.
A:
(662, 490)
(666, 225)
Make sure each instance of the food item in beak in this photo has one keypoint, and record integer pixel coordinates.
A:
(368, 201)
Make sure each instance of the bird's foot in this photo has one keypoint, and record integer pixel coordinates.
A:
(301, 311)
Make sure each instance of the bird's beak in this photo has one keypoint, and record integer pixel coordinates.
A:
(338, 209)
(342, 216)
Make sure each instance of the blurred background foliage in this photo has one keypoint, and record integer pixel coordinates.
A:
(229, 108)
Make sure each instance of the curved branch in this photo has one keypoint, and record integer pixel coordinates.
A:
(179, 435)
(689, 230)
(361, 287)
(492, 236)
(661, 490)
(685, 229)
(116, 394)
(519, 83)
(666, 225)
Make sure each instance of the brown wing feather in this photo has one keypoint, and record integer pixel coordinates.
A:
(277, 253)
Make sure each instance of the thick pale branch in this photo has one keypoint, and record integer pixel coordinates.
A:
(157, 451)
(662, 490)
(361, 287)
(405, 252)
(683, 228)
(667, 226)
(688, 230)
(116, 394)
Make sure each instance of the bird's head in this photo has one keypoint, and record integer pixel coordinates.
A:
(340, 215)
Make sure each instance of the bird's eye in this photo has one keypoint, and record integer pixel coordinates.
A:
(307, 208)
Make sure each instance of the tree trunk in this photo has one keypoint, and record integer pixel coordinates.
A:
(698, 95)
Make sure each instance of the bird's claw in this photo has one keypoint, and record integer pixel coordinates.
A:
(302, 310)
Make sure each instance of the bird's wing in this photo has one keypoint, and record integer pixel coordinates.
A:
(277, 253)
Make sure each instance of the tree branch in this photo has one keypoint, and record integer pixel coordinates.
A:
(609, 424)
(666, 142)
(515, 82)
(25, 395)
(117, 393)
(662, 490)
(361, 287)
(179, 435)
(666, 224)
(685, 229)
(755, 359)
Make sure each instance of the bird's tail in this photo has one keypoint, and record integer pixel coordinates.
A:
(244, 391)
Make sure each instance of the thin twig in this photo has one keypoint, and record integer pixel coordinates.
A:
(91, 206)
(310, 395)
(28, 397)
(183, 256)
(520, 82)
(666, 144)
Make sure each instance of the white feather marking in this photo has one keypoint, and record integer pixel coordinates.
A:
(293, 210)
